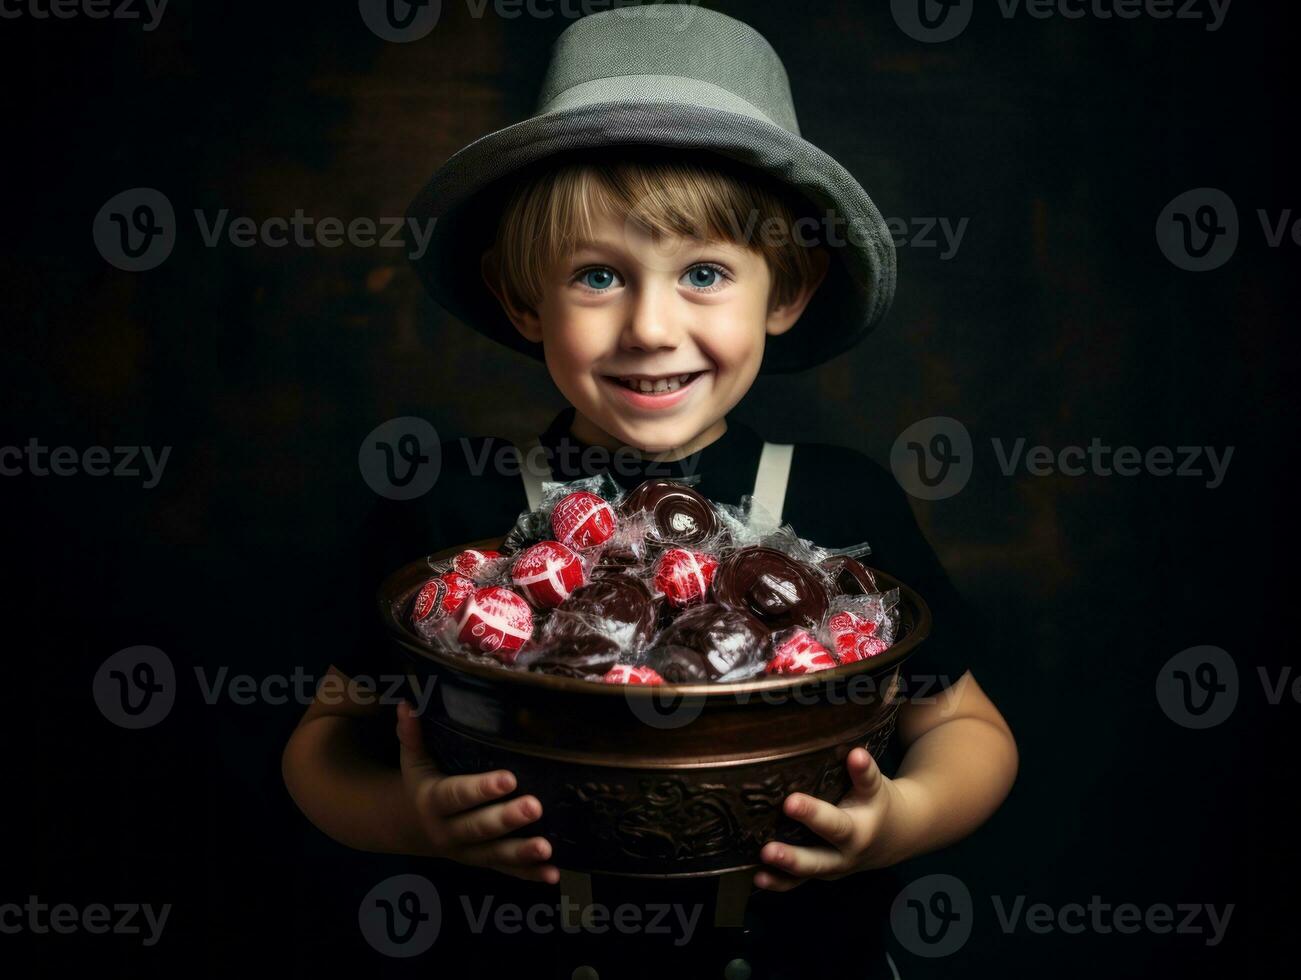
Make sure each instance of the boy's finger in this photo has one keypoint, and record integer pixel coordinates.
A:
(512, 851)
(546, 873)
(831, 823)
(865, 773)
(489, 822)
(775, 881)
(456, 794)
(801, 862)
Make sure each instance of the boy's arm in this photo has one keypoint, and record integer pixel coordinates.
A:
(340, 768)
(333, 769)
(960, 760)
(959, 764)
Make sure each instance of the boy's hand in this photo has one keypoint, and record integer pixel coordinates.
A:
(453, 815)
(865, 830)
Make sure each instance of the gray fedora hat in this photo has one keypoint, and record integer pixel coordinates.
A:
(688, 80)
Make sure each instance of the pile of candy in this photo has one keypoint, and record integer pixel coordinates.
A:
(658, 584)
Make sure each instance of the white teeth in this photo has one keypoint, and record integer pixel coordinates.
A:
(658, 386)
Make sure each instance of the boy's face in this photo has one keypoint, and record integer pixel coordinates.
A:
(684, 318)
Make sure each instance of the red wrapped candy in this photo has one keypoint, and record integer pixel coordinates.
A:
(475, 564)
(547, 573)
(628, 674)
(440, 596)
(495, 620)
(582, 520)
(854, 637)
(799, 653)
(684, 576)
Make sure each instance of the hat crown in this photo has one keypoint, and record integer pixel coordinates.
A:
(676, 40)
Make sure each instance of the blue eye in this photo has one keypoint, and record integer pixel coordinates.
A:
(702, 276)
(598, 279)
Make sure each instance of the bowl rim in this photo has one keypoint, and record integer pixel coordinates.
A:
(413, 645)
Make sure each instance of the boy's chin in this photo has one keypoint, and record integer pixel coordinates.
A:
(652, 440)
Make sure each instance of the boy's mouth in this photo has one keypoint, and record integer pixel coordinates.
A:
(649, 392)
(654, 384)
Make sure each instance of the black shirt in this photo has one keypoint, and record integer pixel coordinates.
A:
(835, 497)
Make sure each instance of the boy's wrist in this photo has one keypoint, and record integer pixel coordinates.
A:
(906, 828)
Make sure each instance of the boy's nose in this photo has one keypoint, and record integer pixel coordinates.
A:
(652, 323)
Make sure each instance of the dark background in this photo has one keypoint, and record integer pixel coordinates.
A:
(1058, 320)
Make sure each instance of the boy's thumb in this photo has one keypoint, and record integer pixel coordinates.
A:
(415, 760)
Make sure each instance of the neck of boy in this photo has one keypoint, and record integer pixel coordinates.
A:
(589, 433)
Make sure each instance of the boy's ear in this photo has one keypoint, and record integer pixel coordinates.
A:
(526, 321)
(782, 318)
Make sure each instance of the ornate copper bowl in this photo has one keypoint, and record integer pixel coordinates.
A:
(658, 781)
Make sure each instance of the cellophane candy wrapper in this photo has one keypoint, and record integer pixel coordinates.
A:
(860, 626)
(532, 526)
(682, 574)
(621, 586)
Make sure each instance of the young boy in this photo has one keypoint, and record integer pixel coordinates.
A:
(658, 233)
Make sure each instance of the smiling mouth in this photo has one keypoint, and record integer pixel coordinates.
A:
(654, 384)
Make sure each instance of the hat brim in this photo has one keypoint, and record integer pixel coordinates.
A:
(461, 195)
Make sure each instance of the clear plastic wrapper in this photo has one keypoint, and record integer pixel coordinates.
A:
(656, 585)
(862, 626)
(677, 514)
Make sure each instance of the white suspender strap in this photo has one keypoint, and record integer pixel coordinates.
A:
(772, 477)
(530, 452)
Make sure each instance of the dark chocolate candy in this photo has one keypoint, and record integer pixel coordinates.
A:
(601, 618)
(679, 515)
(680, 665)
(598, 654)
(850, 576)
(615, 561)
(772, 585)
(707, 641)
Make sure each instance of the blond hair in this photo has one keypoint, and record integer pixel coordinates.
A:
(551, 210)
